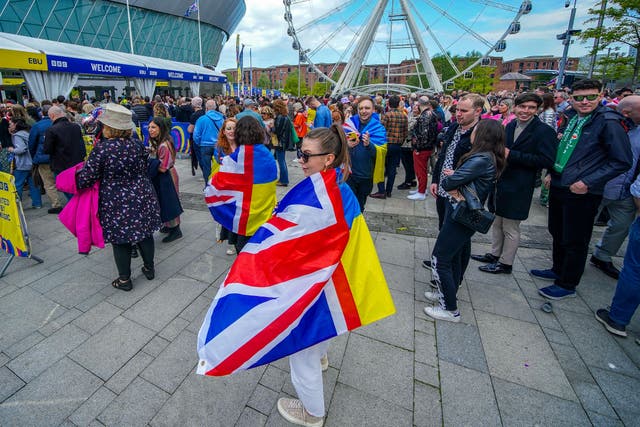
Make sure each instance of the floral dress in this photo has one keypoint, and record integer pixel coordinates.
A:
(128, 208)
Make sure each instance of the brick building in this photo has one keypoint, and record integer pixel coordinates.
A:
(522, 65)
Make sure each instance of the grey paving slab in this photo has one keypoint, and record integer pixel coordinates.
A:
(460, 344)
(97, 317)
(163, 304)
(274, 378)
(108, 350)
(593, 399)
(3, 359)
(393, 369)
(425, 349)
(208, 267)
(427, 407)
(59, 322)
(195, 308)
(263, 399)
(354, 407)
(155, 346)
(595, 345)
(173, 364)
(44, 354)
(602, 421)
(173, 328)
(251, 418)
(26, 311)
(121, 379)
(427, 374)
(398, 277)
(467, 397)
(210, 401)
(51, 397)
(76, 288)
(523, 406)
(91, 302)
(23, 345)
(572, 365)
(394, 250)
(558, 337)
(501, 300)
(518, 351)
(136, 405)
(91, 408)
(398, 328)
(622, 392)
(9, 383)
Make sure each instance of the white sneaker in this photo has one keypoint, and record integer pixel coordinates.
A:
(433, 296)
(440, 313)
(231, 251)
(413, 191)
(324, 362)
(293, 411)
(417, 196)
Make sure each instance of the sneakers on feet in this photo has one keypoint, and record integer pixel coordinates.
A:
(293, 411)
(606, 267)
(427, 264)
(324, 362)
(231, 251)
(602, 316)
(417, 196)
(433, 296)
(487, 258)
(440, 313)
(496, 268)
(413, 191)
(544, 274)
(555, 292)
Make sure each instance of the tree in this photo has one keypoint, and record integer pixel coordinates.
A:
(264, 82)
(291, 85)
(481, 82)
(622, 25)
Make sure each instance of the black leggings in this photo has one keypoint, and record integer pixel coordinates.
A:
(122, 256)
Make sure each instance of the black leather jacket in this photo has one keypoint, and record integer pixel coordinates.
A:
(463, 147)
(603, 152)
(478, 170)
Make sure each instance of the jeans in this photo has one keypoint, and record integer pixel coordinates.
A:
(122, 256)
(627, 296)
(621, 213)
(206, 154)
(450, 257)
(361, 187)
(391, 163)
(25, 176)
(571, 224)
(280, 156)
(407, 163)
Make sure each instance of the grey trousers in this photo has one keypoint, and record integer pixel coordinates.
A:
(621, 213)
(505, 239)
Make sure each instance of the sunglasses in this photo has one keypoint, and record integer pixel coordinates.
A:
(306, 156)
(581, 98)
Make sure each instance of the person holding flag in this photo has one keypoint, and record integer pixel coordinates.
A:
(308, 274)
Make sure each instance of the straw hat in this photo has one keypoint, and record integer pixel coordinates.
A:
(116, 116)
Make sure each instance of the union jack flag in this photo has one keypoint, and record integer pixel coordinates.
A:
(308, 274)
(241, 194)
(192, 9)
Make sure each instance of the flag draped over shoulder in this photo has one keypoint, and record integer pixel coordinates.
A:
(309, 274)
(241, 193)
(378, 137)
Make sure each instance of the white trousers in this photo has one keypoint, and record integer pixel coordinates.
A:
(306, 376)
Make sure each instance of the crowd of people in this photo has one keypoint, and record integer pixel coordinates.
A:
(579, 146)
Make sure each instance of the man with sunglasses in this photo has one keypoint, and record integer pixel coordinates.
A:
(594, 149)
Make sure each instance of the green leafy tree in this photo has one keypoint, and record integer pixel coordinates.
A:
(364, 77)
(291, 85)
(264, 82)
(481, 82)
(320, 88)
(621, 25)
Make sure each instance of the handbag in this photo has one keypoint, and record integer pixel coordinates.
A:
(274, 140)
(470, 215)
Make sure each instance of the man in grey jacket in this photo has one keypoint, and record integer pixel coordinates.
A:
(617, 197)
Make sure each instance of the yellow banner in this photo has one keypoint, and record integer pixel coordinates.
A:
(14, 59)
(12, 81)
(11, 219)
(162, 84)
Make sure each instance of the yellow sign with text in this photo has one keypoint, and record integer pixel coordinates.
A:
(161, 83)
(11, 81)
(11, 219)
(15, 59)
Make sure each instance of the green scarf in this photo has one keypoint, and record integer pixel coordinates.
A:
(569, 141)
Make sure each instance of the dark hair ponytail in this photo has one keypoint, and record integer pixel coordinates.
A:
(489, 137)
(333, 140)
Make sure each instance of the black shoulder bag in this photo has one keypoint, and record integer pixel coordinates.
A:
(470, 211)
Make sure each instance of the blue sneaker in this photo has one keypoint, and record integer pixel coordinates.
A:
(555, 292)
(544, 274)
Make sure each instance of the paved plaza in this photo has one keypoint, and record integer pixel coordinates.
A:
(75, 351)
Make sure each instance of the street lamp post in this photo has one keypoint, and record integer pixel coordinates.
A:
(566, 41)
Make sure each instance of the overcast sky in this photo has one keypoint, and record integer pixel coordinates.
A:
(264, 29)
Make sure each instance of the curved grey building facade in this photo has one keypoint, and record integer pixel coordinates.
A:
(159, 27)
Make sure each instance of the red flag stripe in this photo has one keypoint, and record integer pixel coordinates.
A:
(348, 304)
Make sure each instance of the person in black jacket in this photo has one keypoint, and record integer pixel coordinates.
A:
(530, 146)
(477, 170)
(594, 149)
(63, 142)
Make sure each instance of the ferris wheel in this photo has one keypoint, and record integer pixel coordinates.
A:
(366, 46)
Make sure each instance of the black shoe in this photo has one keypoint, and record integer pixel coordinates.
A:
(134, 251)
(164, 229)
(413, 183)
(606, 267)
(487, 258)
(404, 186)
(496, 268)
(426, 263)
(149, 272)
(378, 195)
(54, 210)
(388, 194)
(174, 234)
(602, 316)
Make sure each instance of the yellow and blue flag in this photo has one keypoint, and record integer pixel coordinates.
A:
(241, 193)
(308, 274)
(377, 137)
